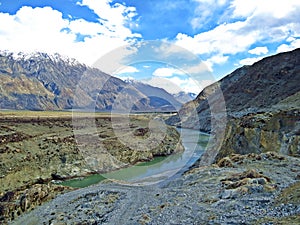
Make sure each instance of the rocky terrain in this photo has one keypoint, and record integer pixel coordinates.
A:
(52, 82)
(239, 189)
(37, 147)
(262, 132)
(258, 105)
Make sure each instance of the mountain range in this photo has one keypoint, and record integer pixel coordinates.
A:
(255, 108)
(41, 81)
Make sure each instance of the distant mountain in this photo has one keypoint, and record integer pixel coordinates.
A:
(159, 97)
(184, 97)
(181, 97)
(52, 82)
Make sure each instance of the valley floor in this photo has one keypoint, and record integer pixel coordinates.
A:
(38, 147)
(249, 189)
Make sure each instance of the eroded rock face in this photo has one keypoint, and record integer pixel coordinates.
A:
(14, 203)
(263, 132)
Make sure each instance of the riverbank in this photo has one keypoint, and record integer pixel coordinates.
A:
(251, 189)
(156, 170)
(37, 147)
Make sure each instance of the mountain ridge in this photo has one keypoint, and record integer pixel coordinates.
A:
(255, 109)
(178, 98)
(250, 89)
(41, 81)
(158, 96)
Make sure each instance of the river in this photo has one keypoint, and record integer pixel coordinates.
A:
(156, 171)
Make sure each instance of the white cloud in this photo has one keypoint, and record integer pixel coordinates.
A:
(44, 29)
(216, 59)
(224, 39)
(200, 68)
(175, 84)
(192, 79)
(186, 84)
(204, 12)
(294, 43)
(34, 29)
(199, 75)
(86, 28)
(276, 9)
(222, 2)
(113, 17)
(166, 72)
(259, 51)
(113, 61)
(253, 21)
(249, 61)
(163, 83)
(165, 50)
(128, 69)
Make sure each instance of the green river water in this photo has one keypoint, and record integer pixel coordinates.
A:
(158, 169)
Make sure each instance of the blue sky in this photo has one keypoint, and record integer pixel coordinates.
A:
(222, 34)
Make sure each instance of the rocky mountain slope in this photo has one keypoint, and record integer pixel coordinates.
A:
(262, 107)
(51, 82)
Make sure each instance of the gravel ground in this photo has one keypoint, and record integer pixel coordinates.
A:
(252, 189)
